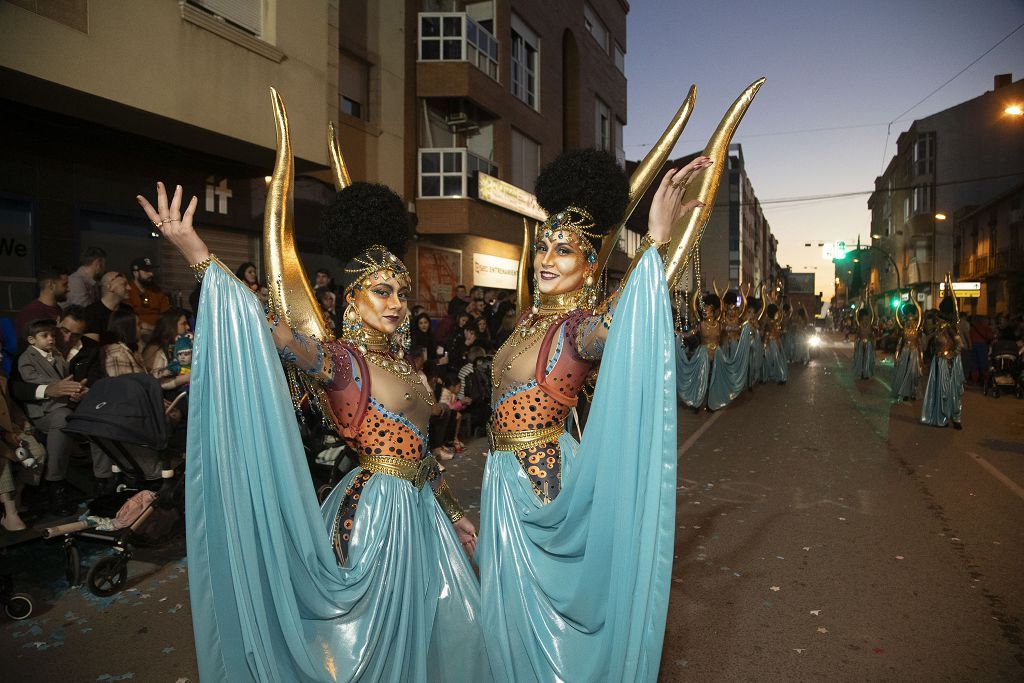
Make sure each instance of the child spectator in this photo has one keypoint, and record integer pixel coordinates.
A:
(42, 364)
(450, 397)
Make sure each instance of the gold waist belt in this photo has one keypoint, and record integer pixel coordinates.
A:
(520, 441)
(416, 472)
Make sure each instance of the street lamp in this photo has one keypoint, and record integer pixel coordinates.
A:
(940, 216)
(1014, 110)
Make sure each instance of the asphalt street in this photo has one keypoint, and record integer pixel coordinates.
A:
(823, 533)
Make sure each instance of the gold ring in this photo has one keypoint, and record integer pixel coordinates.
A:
(155, 224)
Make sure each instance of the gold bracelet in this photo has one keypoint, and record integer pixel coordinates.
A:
(648, 241)
(448, 502)
(199, 269)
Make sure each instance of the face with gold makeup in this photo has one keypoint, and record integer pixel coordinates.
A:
(560, 264)
(381, 300)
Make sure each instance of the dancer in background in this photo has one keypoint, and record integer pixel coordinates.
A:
(906, 372)
(752, 320)
(864, 346)
(944, 393)
(775, 366)
(802, 333)
(732, 362)
(693, 369)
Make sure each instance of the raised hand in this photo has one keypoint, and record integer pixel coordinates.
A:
(667, 206)
(174, 225)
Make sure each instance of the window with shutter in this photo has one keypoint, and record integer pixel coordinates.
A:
(245, 14)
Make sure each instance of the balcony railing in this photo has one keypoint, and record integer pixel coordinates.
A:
(448, 171)
(979, 265)
(455, 37)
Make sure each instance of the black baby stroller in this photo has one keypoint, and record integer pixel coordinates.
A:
(1005, 370)
(124, 417)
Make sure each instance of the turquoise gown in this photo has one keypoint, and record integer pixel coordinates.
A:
(270, 601)
(730, 372)
(693, 372)
(906, 373)
(775, 368)
(864, 359)
(944, 394)
(577, 589)
(755, 367)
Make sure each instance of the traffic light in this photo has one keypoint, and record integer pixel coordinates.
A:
(895, 302)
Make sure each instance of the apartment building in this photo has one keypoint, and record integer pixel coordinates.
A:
(963, 156)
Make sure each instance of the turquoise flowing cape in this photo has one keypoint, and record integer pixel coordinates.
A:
(577, 589)
(269, 599)
(729, 373)
(944, 395)
(692, 375)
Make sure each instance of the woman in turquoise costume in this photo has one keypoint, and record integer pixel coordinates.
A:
(788, 333)
(906, 372)
(576, 538)
(752, 320)
(694, 367)
(775, 367)
(864, 346)
(944, 394)
(375, 585)
(732, 361)
(802, 332)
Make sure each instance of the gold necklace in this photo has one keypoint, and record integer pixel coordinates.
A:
(403, 371)
(524, 336)
(559, 303)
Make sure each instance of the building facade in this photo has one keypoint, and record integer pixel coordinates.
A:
(146, 91)
(428, 97)
(988, 249)
(959, 157)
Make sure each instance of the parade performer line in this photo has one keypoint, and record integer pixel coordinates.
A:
(697, 434)
(991, 469)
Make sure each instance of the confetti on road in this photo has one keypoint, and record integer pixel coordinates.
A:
(816, 612)
(168, 650)
(822, 629)
(799, 650)
(842, 519)
(807, 548)
(878, 651)
(900, 557)
(775, 589)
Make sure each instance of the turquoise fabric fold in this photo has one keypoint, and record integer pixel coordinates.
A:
(906, 374)
(729, 374)
(775, 368)
(755, 366)
(269, 600)
(864, 359)
(577, 589)
(944, 394)
(693, 372)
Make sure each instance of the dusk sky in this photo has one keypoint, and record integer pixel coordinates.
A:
(848, 66)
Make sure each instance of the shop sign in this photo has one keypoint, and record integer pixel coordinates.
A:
(963, 290)
(494, 271)
(508, 196)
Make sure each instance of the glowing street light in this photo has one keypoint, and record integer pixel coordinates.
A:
(1014, 110)
(940, 216)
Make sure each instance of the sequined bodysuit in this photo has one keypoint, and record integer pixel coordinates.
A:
(370, 427)
(545, 400)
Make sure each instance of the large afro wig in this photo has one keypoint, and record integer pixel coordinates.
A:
(587, 178)
(712, 300)
(361, 215)
(947, 308)
(754, 303)
(731, 298)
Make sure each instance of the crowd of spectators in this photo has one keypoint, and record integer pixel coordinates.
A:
(93, 323)
(82, 327)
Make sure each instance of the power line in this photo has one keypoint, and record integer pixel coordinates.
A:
(856, 193)
(947, 82)
(796, 131)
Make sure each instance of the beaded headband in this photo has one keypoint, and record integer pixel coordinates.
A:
(576, 225)
(374, 261)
